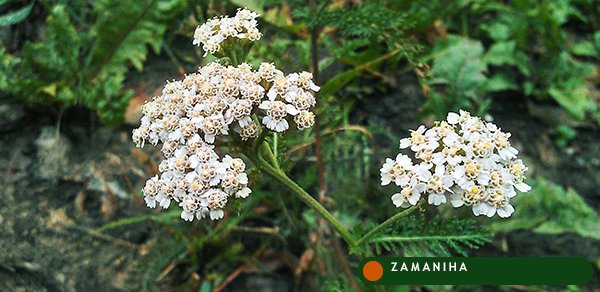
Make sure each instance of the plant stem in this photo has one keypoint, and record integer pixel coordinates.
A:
(275, 143)
(234, 59)
(388, 222)
(297, 190)
(314, 58)
(272, 155)
(259, 140)
(274, 171)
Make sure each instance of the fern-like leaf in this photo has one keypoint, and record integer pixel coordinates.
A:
(77, 65)
(125, 29)
(439, 237)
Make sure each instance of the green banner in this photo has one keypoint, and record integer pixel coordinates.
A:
(475, 271)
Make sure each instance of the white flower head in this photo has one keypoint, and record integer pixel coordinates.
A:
(191, 115)
(218, 30)
(464, 161)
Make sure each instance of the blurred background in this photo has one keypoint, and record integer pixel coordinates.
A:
(73, 75)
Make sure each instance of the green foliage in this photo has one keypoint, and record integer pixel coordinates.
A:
(369, 20)
(363, 36)
(164, 217)
(414, 236)
(337, 283)
(564, 134)
(571, 92)
(123, 32)
(77, 64)
(531, 51)
(457, 77)
(341, 79)
(47, 70)
(551, 209)
(14, 17)
(532, 38)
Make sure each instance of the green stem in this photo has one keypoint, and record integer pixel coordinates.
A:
(280, 176)
(388, 222)
(234, 59)
(272, 153)
(430, 237)
(260, 139)
(275, 143)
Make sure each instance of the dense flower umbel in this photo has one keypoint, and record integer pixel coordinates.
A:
(463, 160)
(217, 30)
(218, 99)
(214, 102)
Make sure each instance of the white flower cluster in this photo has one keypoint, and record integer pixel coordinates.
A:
(463, 160)
(218, 29)
(191, 113)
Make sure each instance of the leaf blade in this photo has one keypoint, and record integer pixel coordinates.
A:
(16, 16)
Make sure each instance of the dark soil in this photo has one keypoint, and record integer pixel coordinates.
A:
(56, 188)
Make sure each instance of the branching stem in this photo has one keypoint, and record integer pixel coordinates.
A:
(278, 174)
(297, 190)
(271, 156)
(388, 222)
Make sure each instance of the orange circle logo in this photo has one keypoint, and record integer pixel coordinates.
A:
(372, 271)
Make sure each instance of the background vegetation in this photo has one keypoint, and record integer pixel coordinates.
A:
(384, 67)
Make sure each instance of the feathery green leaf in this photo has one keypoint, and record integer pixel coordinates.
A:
(439, 237)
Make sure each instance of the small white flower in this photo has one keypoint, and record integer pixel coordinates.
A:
(399, 171)
(276, 111)
(189, 205)
(304, 119)
(453, 118)
(243, 193)
(187, 216)
(163, 201)
(410, 194)
(386, 175)
(523, 187)
(438, 183)
(420, 140)
(268, 72)
(484, 209)
(505, 211)
(216, 214)
(249, 131)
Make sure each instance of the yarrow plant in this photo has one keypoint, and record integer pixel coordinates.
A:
(463, 160)
(230, 104)
(220, 32)
(191, 114)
